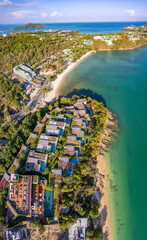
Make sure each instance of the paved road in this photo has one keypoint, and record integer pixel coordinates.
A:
(32, 104)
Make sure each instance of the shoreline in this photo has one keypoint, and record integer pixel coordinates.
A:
(103, 178)
(103, 197)
(53, 94)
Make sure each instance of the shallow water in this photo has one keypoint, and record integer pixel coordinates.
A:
(119, 79)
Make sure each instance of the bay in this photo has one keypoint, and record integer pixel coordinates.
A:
(119, 78)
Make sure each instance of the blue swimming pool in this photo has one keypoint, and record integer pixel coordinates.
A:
(53, 148)
(43, 166)
(67, 120)
(48, 203)
(81, 139)
(61, 132)
(79, 152)
(74, 160)
(67, 173)
(86, 124)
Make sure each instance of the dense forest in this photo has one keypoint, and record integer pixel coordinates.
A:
(30, 26)
(29, 49)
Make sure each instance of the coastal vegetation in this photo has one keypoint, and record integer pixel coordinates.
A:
(11, 96)
(30, 26)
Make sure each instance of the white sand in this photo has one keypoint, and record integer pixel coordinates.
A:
(103, 185)
(53, 94)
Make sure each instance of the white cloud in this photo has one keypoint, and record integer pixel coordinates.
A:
(9, 3)
(131, 12)
(6, 3)
(56, 14)
(43, 15)
(20, 14)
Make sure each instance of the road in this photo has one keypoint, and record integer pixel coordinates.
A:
(32, 104)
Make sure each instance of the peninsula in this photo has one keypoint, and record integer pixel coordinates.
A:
(30, 26)
(56, 160)
(142, 29)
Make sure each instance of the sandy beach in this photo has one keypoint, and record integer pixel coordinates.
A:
(103, 177)
(104, 198)
(53, 94)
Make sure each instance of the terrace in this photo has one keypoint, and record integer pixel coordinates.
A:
(56, 175)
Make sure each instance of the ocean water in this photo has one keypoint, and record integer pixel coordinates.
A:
(89, 27)
(119, 79)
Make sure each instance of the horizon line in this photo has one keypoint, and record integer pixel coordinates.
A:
(75, 22)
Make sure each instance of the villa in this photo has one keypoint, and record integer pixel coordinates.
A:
(66, 163)
(52, 130)
(44, 145)
(36, 162)
(46, 118)
(73, 140)
(78, 230)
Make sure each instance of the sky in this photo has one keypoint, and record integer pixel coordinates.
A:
(52, 11)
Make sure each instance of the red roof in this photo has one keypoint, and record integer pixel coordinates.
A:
(3, 183)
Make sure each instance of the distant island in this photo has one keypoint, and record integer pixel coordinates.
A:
(30, 26)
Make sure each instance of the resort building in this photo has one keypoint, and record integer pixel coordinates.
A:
(66, 51)
(72, 140)
(20, 193)
(24, 72)
(27, 195)
(67, 163)
(36, 162)
(76, 130)
(88, 42)
(78, 230)
(46, 118)
(52, 130)
(16, 233)
(44, 145)
(59, 124)
(51, 139)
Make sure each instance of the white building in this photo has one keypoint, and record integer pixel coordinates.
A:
(78, 230)
(88, 42)
(66, 51)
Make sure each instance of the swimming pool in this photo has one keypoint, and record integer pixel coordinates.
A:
(53, 148)
(79, 152)
(61, 132)
(67, 172)
(43, 166)
(74, 160)
(48, 203)
(67, 120)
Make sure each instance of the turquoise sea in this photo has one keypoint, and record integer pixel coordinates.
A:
(119, 78)
(82, 27)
